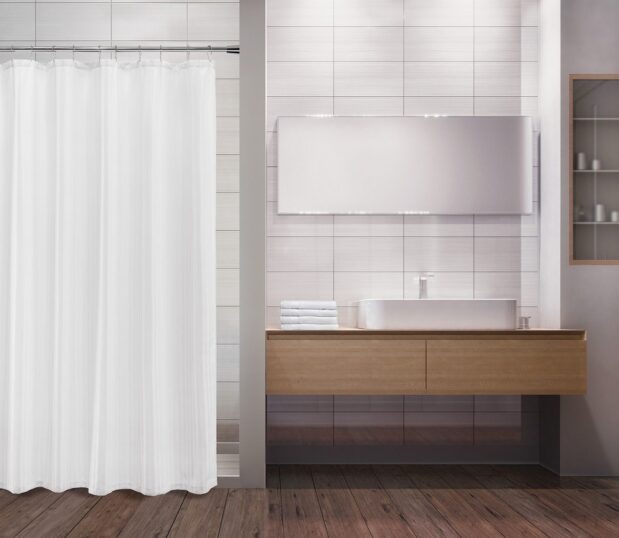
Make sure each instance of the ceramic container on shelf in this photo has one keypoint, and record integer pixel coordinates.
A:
(614, 216)
(600, 213)
(581, 161)
(596, 164)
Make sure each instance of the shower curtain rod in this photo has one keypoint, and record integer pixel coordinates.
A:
(230, 49)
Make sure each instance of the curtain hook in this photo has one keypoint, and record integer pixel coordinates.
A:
(139, 53)
(73, 52)
(116, 53)
(32, 54)
(210, 53)
(187, 53)
(160, 53)
(53, 53)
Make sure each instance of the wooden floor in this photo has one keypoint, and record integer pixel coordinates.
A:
(340, 501)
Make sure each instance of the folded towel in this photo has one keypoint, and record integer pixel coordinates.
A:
(310, 305)
(310, 320)
(327, 312)
(309, 327)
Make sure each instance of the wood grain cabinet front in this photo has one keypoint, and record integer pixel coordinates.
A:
(506, 366)
(345, 366)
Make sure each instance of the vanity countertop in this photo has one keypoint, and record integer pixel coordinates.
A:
(577, 334)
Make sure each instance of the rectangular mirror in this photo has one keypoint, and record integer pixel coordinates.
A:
(405, 165)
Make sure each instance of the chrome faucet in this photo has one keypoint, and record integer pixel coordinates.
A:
(423, 284)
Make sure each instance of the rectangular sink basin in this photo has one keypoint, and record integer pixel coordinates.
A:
(437, 314)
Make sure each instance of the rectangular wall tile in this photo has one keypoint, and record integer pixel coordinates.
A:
(434, 79)
(300, 13)
(228, 249)
(441, 285)
(498, 13)
(429, 106)
(17, 21)
(228, 325)
(497, 254)
(227, 97)
(368, 225)
(368, 106)
(497, 225)
(299, 429)
(296, 106)
(449, 44)
(497, 78)
(368, 429)
(439, 12)
(305, 79)
(300, 254)
(74, 21)
(228, 363)
(368, 254)
(438, 254)
(355, 286)
(368, 12)
(136, 22)
(294, 44)
(228, 173)
(228, 133)
(213, 21)
(368, 79)
(438, 225)
(228, 211)
(498, 44)
(504, 285)
(297, 225)
(228, 400)
(367, 44)
(307, 286)
(228, 287)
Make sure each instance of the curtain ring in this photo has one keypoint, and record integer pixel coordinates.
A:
(210, 53)
(139, 53)
(73, 52)
(116, 53)
(160, 53)
(99, 54)
(53, 53)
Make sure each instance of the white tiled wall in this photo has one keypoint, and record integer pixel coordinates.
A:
(148, 23)
(399, 57)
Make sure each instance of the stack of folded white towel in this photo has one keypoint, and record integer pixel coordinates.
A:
(308, 315)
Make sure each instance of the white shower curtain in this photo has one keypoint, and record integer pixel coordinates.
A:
(107, 284)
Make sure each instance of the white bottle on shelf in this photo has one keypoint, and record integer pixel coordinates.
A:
(581, 161)
(600, 213)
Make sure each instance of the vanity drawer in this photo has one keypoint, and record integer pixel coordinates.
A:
(506, 366)
(346, 366)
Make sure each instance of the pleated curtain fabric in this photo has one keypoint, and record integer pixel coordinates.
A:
(107, 276)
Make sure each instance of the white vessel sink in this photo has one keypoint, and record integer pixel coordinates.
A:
(437, 314)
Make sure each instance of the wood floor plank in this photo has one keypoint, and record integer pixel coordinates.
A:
(545, 518)
(339, 509)
(487, 505)
(300, 509)
(155, 515)
(421, 515)
(275, 519)
(6, 497)
(200, 515)
(381, 516)
(17, 515)
(464, 519)
(247, 514)
(579, 507)
(109, 516)
(60, 518)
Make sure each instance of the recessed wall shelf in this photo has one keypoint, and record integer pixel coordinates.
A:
(594, 193)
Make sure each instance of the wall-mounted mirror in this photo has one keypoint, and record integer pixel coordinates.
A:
(418, 165)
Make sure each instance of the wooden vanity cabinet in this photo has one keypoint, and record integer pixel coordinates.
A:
(436, 362)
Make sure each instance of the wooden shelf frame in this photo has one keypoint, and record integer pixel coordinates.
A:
(572, 223)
